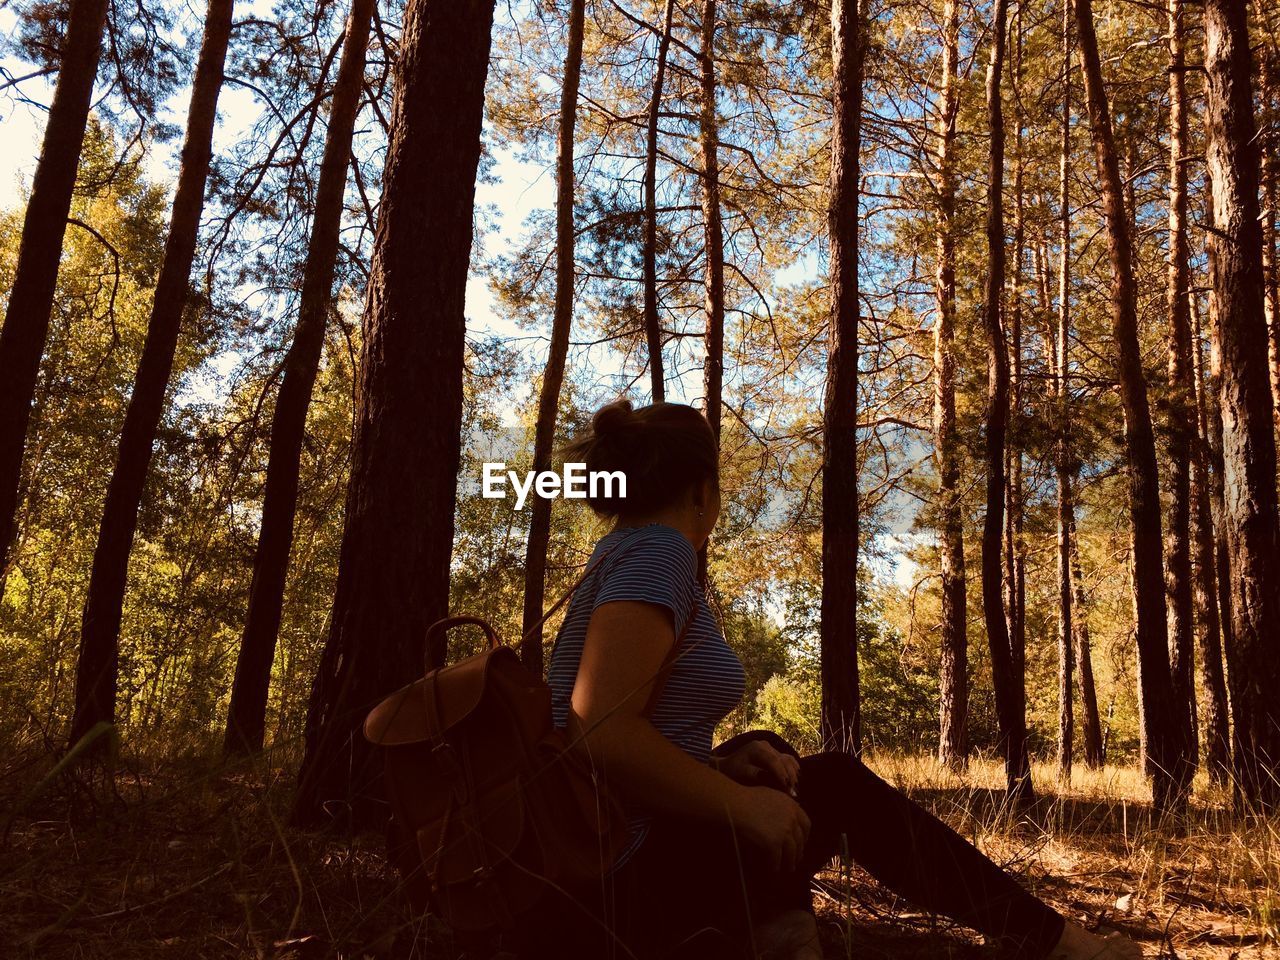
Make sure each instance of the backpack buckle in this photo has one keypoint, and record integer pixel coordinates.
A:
(444, 754)
(447, 757)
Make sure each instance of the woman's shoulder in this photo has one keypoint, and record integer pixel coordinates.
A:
(654, 542)
(653, 564)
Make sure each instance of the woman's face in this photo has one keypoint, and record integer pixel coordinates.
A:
(709, 496)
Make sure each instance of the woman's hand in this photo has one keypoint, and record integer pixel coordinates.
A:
(757, 763)
(774, 822)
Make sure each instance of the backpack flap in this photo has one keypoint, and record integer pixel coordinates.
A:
(401, 719)
(490, 805)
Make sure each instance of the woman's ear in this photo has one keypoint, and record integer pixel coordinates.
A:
(704, 494)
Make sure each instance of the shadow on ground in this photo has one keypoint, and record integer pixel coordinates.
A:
(194, 860)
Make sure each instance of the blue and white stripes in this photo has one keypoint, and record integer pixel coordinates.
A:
(656, 564)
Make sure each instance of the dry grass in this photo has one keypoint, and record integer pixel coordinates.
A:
(192, 859)
(1209, 888)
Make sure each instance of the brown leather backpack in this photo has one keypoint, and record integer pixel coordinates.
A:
(490, 804)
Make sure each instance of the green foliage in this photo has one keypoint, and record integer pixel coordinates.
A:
(190, 569)
(788, 705)
(188, 574)
(103, 300)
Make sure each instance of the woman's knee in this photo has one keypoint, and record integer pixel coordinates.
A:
(768, 736)
(837, 771)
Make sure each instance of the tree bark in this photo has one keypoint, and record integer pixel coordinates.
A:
(1015, 562)
(953, 686)
(652, 319)
(1213, 445)
(26, 320)
(98, 668)
(1180, 405)
(1090, 721)
(246, 718)
(1009, 708)
(713, 238)
(535, 560)
(1062, 448)
(841, 721)
(1164, 740)
(713, 228)
(1249, 451)
(1217, 734)
(393, 569)
(1269, 143)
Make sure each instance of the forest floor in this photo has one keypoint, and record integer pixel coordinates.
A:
(192, 859)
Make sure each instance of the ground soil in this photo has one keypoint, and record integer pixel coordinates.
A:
(193, 860)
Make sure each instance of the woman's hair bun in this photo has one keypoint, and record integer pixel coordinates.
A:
(612, 419)
(662, 450)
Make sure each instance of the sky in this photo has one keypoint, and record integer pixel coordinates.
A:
(515, 190)
(521, 188)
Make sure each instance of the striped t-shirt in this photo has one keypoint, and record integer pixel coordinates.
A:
(656, 564)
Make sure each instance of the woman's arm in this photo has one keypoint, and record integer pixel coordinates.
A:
(626, 644)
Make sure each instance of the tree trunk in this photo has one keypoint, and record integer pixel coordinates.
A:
(1009, 710)
(953, 686)
(1269, 143)
(1181, 420)
(709, 136)
(1090, 722)
(1217, 735)
(1015, 562)
(544, 434)
(26, 321)
(841, 721)
(652, 319)
(246, 718)
(713, 238)
(1062, 449)
(1066, 654)
(98, 668)
(1249, 451)
(1213, 444)
(393, 570)
(1164, 739)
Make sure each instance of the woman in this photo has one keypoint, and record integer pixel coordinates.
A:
(723, 844)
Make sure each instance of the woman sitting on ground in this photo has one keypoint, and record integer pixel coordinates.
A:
(724, 844)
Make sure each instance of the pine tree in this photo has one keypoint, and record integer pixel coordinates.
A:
(953, 691)
(1181, 399)
(1249, 452)
(535, 561)
(649, 253)
(98, 668)
(393, 573)
(246, 718)
(1165, 742)
(1010, 705)
(26, 319)
(1062, 448)
(841, 721)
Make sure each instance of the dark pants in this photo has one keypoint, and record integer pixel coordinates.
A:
(693, 889)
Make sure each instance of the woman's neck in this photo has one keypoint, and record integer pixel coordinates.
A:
(682, 519)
